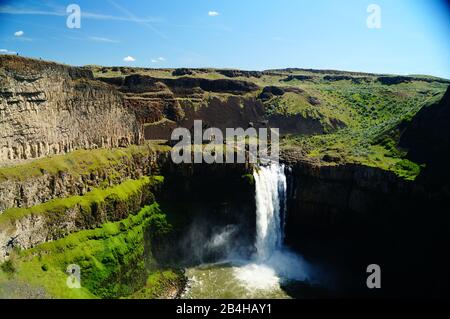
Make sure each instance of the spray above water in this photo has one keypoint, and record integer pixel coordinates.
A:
(263, 275)
(272, 262)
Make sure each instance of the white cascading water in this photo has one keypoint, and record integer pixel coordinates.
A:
(262, 275)
(270, 184)
(272, 261)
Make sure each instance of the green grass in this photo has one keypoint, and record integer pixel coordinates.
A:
(112, 258)
(8, 267)
(158, 283)
(110, 202)
(373, 115)
(78, 162)
(357, 115)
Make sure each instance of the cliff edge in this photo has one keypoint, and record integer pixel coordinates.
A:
(48, 108)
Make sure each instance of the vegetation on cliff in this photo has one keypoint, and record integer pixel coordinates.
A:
(105, 217)
(164, 284)
(114, 259)
(79, 162)
(330, 116)
(119, 200)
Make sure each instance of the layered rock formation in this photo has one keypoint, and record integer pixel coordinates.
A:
(42, 185)
(46, 109)
(163, 104)
(26, 228)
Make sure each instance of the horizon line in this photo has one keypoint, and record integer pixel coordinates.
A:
(232, 68)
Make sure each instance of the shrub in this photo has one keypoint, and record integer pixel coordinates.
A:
(8, 267)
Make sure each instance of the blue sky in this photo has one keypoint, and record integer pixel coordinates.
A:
(414, 37)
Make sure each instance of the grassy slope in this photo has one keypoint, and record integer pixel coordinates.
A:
(78, 162)
(112, 258)
(160, 284)
(372, 113)
(120, 193)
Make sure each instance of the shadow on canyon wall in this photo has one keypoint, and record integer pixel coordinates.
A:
(350, 216)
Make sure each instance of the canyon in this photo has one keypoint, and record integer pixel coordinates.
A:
(86, 177)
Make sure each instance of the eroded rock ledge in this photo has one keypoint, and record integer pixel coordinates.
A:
(47, 108)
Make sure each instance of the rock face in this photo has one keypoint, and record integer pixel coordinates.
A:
(295, 124)
(349, 216)
(210, 200)
(239, 73)
(331, 200)
(427, 139)
(299, 78)
(46, 109)
(141, 83)
(392, 80)
(46, 186)
(192, 183)
(162, 104)
(63, 218)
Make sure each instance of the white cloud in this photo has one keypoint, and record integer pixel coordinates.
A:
(129, 59)
(213, 13)
(5, 51)
(101, 39)
(61, 11)
(157, 60)
(19, 33)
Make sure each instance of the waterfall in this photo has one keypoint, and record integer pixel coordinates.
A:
(270, 196)
(273, 263)
(263, 274)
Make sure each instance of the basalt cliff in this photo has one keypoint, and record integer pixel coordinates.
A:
(86, 175)
(52, 109)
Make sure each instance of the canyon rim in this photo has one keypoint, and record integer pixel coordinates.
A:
(135, 164)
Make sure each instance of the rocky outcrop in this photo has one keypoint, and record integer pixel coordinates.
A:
(138, 83)
(296, 124)
(347, 217)
(33, 190)
(240, 73)
(163, 104)
(299, 77)
(28, 227)
(47, 109)
(355, 80)
(392, 80)
(230, 112)
(51, 219)
(226, 72)
(331, 199)
(182, 72)
(269, 92)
